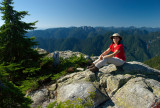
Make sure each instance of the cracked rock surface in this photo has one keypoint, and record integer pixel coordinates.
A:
(133, 85)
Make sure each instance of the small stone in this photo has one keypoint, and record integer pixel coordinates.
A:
(52, 87)
(80, 69)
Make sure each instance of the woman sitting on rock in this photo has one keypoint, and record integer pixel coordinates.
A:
(117, 57)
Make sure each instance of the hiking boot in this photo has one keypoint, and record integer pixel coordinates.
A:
(94, 69)
(92, 65)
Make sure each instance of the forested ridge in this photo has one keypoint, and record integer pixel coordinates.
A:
(140, 43)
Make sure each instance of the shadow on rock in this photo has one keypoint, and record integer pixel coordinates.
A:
(138, 69)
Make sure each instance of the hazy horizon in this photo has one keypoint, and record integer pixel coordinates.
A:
(95, 27)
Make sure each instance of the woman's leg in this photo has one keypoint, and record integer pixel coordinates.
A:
(94, 68)
(96, 61)
(101, 63)
(116, 61)
(93, 64)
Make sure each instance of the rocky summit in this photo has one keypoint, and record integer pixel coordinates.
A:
(133, 85)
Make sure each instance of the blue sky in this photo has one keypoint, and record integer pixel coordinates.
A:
(66, 13)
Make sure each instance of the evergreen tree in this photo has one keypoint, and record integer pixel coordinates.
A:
(14, 45)
(16, 52)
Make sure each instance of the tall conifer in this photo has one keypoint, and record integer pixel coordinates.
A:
(14, 45)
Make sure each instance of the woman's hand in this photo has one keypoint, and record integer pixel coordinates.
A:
(101, 57)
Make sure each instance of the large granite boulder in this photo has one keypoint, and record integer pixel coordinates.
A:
(135, 67)
(82, 90)
(115, 82)
(135, 94)
(38, 97)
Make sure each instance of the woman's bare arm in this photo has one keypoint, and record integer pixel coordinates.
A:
(112, 55)
(106, 52)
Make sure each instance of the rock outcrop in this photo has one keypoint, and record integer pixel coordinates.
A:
(80, 89)
(67, 54)
(133, 85)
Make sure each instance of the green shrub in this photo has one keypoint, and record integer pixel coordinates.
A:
(78, 61)
(33, 83)
(11, 96)
(46, 63)
(73, 61)
(14, 71)
(51, 105)
(58, 75)
(154, 62)
(64, 64)
(31, 71)
(29, 85)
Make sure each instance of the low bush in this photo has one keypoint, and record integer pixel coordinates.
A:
(154, 62)
(11, 96)
(69, 65)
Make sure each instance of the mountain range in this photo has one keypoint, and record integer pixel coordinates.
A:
(140, 43)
